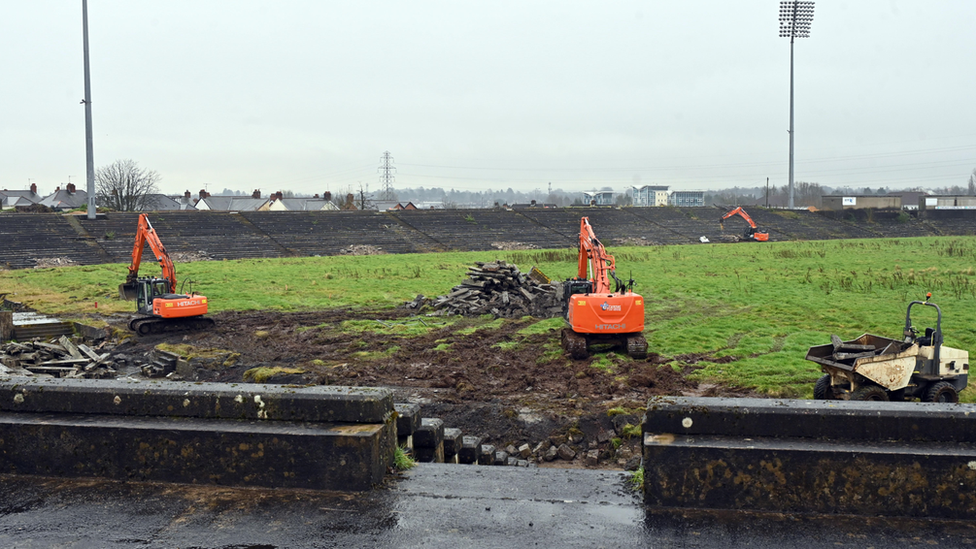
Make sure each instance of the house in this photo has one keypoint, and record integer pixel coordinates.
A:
(65, 199)
(651, 195)
(687, 199)
(162, 203)
(231, 203)
(10, 200)
(390, 205)
(601, 198)
(299, 205)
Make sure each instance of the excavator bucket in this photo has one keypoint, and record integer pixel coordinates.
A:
(128, 291)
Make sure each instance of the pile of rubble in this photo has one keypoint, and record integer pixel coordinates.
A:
(513, 246)
(499, 288)
(59, 358)
(45, 262)
(188, 257)
(361, 249)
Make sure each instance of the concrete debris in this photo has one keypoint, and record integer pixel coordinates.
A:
(500, 289)
(187, 257)
(59, 357)
(361, 249)
(45, 262)
(513, 246)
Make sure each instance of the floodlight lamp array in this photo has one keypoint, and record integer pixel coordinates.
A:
(795, 18)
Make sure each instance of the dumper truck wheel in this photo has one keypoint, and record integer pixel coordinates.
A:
(823, 390)
(870, 392)
(941, 391)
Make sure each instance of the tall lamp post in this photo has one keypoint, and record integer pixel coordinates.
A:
(89, 156)
(795, 18)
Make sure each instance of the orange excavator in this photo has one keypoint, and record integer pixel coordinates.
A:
(160, 308)
(597, 313)
(753, 233)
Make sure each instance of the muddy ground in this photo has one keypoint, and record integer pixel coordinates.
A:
(493, 382)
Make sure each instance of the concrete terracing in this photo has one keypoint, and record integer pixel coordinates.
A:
(867, 458)
(226, 235)
(230, 434)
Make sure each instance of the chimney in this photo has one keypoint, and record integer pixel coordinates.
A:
(278, 195)
(71, 188)
(327, 195)
(187, 194)
(58, 188)
(256, 193)
(33, 188)
(203, 194)
(316, 195)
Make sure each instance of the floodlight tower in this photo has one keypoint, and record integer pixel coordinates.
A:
(795, 18)
(89, 157)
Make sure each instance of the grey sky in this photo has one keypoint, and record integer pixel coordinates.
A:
(305, 95)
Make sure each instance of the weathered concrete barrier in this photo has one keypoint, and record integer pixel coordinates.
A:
(869, 458)
(314, 437)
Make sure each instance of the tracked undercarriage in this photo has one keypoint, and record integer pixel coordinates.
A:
(146, 325)
(577, 345)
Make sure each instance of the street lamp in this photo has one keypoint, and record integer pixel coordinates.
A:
(795, 18)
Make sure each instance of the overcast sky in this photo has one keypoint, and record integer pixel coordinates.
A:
(306, 95)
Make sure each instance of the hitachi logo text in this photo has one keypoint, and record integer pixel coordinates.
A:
(610, 326)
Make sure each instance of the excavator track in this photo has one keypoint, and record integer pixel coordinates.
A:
(156, 325)
(574, 344)
(637, 347)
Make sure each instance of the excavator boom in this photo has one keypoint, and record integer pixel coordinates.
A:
(145, 233)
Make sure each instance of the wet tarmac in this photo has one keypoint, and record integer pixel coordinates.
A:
(458, 506)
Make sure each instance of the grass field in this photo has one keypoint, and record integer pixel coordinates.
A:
(764, 304)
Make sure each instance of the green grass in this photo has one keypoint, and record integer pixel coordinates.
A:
(762, 304)
(401, 460)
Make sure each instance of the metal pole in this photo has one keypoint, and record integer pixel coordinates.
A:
(89, 155)
(791, 123)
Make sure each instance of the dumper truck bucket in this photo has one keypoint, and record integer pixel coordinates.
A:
(128, 291)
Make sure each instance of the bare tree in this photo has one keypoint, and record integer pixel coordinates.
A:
(124, 186)
(972, 183)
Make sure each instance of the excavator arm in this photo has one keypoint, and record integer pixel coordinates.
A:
(146, 234)
(594, 262)
(739, 211)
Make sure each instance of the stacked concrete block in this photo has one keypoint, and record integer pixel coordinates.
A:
(470, 449)
(408, 421)
(428, 441)
(332, 438)
(486, 456)
(452, 445)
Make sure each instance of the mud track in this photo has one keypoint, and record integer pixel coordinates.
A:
(488, 380)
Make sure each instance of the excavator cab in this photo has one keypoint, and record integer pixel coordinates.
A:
(148, 289)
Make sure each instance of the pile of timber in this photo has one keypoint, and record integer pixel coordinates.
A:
(499, 288)
(60, 357)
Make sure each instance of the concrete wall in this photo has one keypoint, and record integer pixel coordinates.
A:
(850, 202)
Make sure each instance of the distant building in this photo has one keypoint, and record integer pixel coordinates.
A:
(859, 202)
(230, 203)
(962, 202)
(651, 195)
(687, 199)
(65, 199)
(601, 198)
(10, 200)
(299, 205)
(391, 205)
(162, 203)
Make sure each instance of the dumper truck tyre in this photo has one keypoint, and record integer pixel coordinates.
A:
(941, 391)
(870, 392)
(823, 389)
